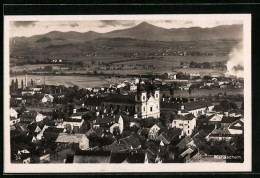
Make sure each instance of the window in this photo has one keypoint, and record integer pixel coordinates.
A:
(188, 126)
(151, 109)
(188, 131)
(180, 124)
(143, 97)
(144, 108)
(157, 107)
(156, 95)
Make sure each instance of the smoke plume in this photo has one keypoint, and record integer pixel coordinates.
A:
(235, 64)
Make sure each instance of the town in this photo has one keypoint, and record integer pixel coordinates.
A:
(145, 119)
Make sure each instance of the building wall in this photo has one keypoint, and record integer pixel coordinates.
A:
(84, 143)
(13, 113)
(186, 125)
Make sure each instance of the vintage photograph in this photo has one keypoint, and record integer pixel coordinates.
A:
(82, 92)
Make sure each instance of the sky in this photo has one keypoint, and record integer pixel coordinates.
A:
(30, 28)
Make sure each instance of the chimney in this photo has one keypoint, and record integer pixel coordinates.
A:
(83, 105)
(102, 116)
(74, 111)
(97, 113)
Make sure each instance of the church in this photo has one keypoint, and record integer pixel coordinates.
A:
(142, 104)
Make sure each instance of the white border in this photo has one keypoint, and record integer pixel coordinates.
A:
(166, 167)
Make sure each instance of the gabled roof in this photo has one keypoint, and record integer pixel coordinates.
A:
(186, 117)
(197, 105)
(184, 142)
(238, 125)
(229, 119)
(132, 141)
(115, 147)
(107, 120)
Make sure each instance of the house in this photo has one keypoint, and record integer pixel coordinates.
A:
(185, 143)
(153, 132)
(236, 127)
(84, 156)
(133, 87)
(50, 133)
(170, 135)
(131, 141)
(116, 147)
(186, 123)
(93, 103)
(109, 122)
(13, 113)
(74, 124)
(60, 156)
(14, 121)
(31, 116)
(47, 98)
(81, 139)
(29, 92)
(76, 115)
(95, 131)
(219, 134)
(198, 108)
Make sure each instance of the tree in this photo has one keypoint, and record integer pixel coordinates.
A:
(12, 86)
(48, 68)
(84, 128)
(22, 84)
(16, 84)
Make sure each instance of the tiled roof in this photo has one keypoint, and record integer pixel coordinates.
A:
(170, 106)
(184, 142)
(116, 98)
(107, 120)
(229, 119)
(132, 141)
(186, 117)
(196, 105)
(127, 157)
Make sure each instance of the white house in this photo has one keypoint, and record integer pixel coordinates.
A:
(153, 132)
(39, 117)
(186, 123)
(198, 108)
(47, 98)
(13, 113)
(236, 127)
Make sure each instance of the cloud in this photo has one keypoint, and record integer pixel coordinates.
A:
(125, 23)
(24, 23)
(70, 24)
(74, 25)
(188, 22)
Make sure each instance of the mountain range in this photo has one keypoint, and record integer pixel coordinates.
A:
(143, 31)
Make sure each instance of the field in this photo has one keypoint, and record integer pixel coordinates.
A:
(68, 81)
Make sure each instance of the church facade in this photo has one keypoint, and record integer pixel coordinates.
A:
(141, 104)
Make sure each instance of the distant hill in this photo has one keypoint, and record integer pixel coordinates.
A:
(146, 31)
(143, 38)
